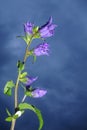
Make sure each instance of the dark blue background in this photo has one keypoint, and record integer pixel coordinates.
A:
(63, 73)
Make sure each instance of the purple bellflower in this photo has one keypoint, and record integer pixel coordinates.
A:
(37, 93)
(47, 30)
(28, 28)
(41, 49)
(30, 80)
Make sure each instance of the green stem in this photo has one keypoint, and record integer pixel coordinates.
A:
(16, 88)
(16, 91)
(13, 124)
(25, 56)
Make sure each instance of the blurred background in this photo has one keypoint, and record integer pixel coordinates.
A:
(63, 73)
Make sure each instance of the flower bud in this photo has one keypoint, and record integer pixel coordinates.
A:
(28, 28)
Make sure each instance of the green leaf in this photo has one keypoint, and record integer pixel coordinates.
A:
(23, 80)
(23, 106)
(9, 119)
(8, 87)
(9, 114)
(38, 113)
(20, 65)
(22, 75)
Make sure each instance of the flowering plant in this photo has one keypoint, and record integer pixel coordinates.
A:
(23, 79)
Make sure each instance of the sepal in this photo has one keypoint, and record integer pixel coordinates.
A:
(28, 93)
(36, 33)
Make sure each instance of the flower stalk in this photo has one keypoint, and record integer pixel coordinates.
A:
(16, 88)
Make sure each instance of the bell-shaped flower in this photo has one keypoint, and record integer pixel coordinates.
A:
(47, 30)
(29, 81)
(28, 28)
(41, 49)
(37, 93)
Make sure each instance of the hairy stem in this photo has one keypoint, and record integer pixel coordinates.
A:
(16, 91)
(25, 56)
(16, 88)
(13, 124)
(24, 98)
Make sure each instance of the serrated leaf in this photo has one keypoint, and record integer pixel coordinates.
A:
(9, 114)
(8, 87)
(9, 119)
(23, 106)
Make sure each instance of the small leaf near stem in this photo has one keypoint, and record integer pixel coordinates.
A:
(8, 87)
(9, 114)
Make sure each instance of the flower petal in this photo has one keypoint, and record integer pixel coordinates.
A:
(37, 93)
(30, 80)
(41, 49)
(47, 30)
(28, 28)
